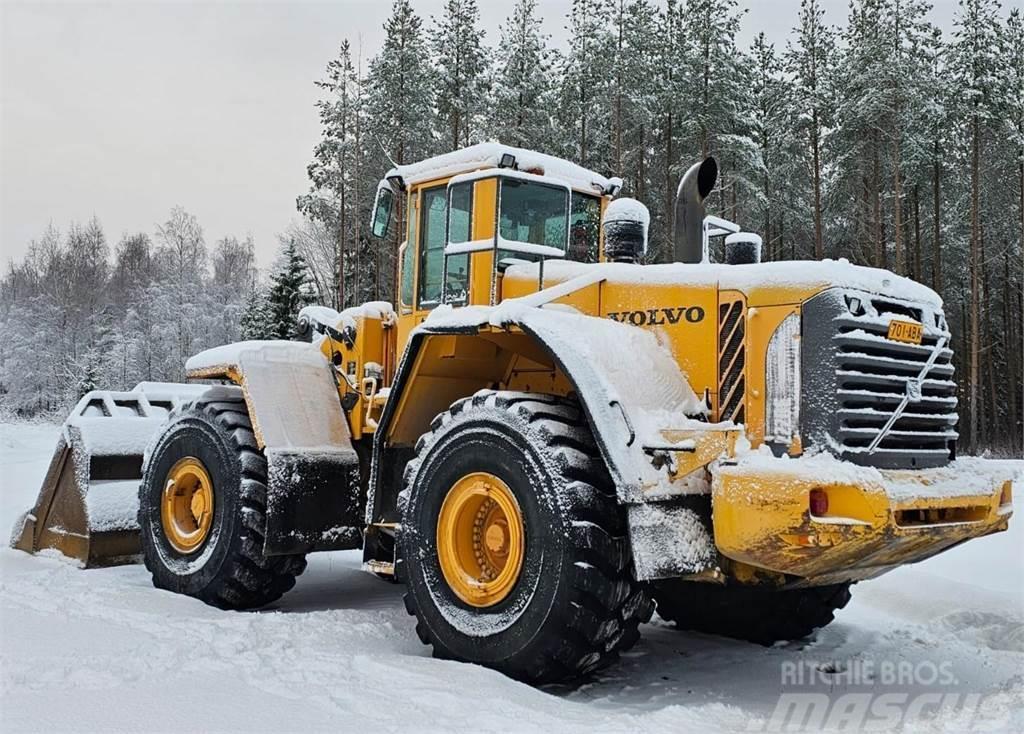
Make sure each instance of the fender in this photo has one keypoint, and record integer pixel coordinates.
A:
(629, 386)
(314, 500)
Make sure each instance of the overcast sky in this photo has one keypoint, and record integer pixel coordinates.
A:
(126, 109)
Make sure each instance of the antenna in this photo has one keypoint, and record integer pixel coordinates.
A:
(384, 150)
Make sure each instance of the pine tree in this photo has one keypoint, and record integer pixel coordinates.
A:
(522, 86)
(401, 82)
(635, 117)
(672, 62)
(809, 61)
(90, 373)
(583, 118)
(334, 198)
(255, 321)
(401, 118)
(1013, 55)
(781, 144)
(288, 293)
(974, 64)
(461, 68)
(719, 101)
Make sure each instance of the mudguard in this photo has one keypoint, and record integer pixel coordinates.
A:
(314, 501)
(633, 394)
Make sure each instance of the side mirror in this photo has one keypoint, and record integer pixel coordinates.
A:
(382, 205)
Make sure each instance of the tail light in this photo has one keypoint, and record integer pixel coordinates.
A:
(818, 502)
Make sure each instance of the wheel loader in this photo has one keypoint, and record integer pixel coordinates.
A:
(544, 437)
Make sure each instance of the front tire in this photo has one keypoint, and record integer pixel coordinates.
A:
(573, 604)
(216, 553)
(757, 614)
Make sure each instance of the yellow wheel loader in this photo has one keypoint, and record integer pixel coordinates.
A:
(543, 438)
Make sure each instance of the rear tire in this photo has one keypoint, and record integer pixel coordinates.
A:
(752, 613)
(228, 569)
(575, 604)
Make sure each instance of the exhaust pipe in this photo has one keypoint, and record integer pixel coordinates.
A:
(694, 187)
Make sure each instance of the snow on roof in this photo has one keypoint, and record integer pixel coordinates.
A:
(793, 274)
(488, 155)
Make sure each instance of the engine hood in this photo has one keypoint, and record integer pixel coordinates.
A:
(763, 283)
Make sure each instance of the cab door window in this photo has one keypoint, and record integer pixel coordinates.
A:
(460, 229)
(408, 276)
(433, 213)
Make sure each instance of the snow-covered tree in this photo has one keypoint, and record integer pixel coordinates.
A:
(400, 86)
(256, 317)
(583, 118)
(287, 294)
(461, 63)
(523, 94)
(335, 199)
(810, 58)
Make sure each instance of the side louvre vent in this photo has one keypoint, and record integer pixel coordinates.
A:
(731, 361)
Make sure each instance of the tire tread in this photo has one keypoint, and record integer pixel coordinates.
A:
(607, 603)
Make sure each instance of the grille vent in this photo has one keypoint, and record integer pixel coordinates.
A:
(731, 362)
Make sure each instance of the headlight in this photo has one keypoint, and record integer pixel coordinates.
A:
(782, 382)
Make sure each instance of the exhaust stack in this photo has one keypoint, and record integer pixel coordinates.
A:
(694, 187)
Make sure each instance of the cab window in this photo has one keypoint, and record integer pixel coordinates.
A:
(533, 213)
(432, 242)
(584, 228)
(408, 272)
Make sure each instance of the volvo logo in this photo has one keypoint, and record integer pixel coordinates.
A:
(659, 316)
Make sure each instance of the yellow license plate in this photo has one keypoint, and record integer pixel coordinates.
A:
(905, 331)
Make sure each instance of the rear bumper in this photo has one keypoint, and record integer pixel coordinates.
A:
(876, 519)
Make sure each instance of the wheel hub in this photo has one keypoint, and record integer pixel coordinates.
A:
(186, 509)
(480, 539)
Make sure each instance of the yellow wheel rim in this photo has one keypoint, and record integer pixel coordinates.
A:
(480, 539)
(187, 507)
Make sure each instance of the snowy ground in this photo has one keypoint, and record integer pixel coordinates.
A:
(103, 650)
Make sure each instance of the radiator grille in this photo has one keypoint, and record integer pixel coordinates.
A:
(872, 375)
(731, 362)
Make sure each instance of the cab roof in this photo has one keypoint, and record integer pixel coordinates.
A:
(488, 155)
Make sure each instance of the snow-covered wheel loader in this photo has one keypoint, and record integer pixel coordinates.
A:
(544, 438)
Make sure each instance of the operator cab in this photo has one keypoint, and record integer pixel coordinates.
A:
(472, 213)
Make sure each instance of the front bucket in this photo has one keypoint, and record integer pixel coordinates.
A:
(88, 505)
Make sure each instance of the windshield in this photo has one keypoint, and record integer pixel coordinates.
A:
(535, 213)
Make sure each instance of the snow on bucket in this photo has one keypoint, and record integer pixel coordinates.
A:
(88, 503)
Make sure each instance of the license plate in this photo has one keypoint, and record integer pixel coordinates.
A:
(905, 331)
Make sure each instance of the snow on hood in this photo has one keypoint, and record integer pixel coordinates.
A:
(488, 155)
(326, 316)
(793, 274)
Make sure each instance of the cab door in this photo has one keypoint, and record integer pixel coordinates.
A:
(407, 319)
(425, 283)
